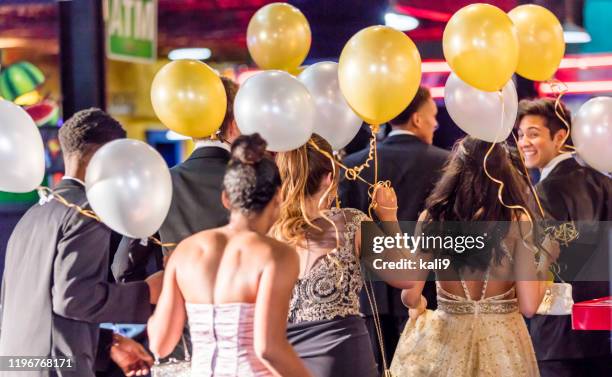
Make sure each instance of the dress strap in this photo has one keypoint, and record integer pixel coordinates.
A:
(485, 283)
(465, 289)
(484, 286)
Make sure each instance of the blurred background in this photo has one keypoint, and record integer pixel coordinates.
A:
(57, 57)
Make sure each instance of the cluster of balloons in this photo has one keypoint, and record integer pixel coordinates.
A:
(283, 109)
(484, 47)
(376, 78)
(128, 182)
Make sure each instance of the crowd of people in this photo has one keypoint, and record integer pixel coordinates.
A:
(266, 277)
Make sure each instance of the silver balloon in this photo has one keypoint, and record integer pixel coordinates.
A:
(335, 121)
(592, 133)
(278, 107)
(479, 113)
(22, 154)
(129, 186)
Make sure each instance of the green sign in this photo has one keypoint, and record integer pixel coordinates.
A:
(131, 30)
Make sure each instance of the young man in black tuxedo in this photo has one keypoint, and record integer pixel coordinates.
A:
(569, 191)
(408, 159)
(55, 290)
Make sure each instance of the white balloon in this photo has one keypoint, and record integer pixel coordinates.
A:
(278, 107)
(22, 154)
(479, 113)
(129, 186)
(592, 133)
(335, 121)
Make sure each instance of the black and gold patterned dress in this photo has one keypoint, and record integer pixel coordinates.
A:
(325, 325)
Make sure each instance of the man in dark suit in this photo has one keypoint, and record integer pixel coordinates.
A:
(55, 291)
(569, 191)
(196, 201)
(197, 182)
(408, 159)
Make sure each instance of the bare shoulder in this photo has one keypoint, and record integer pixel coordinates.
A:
(198, 243)
(275, 250)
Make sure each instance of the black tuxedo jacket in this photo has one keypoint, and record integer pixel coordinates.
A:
(55, 289)
(413, 167)
(196, 198)
(572, 192)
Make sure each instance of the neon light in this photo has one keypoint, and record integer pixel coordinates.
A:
(579, 87)
(582, 62)
(437, 92)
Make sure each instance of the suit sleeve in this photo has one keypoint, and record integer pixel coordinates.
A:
(105, 341)
(80, 287)
(134, 261)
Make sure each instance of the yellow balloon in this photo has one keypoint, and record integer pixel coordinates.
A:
(278, 37)
(541, 43)
(481, 46)
(379, 73)
(189, 98)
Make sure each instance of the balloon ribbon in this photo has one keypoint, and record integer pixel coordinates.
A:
(47, 194)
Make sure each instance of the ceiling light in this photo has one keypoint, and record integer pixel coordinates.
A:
(573, 33)
(190, 53)
(175, 136)
(401, 22)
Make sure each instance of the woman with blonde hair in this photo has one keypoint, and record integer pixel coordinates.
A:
(325, 326)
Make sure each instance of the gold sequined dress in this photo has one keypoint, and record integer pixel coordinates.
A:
(466, 338)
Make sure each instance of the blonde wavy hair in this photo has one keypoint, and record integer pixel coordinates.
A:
(301, 172)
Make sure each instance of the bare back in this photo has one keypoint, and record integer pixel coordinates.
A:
(222, 266)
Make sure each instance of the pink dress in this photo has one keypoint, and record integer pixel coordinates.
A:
(222, 339)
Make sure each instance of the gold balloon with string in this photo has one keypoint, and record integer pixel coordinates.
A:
(541, 43)
(379, 72)
(189, 98)
(481, 46)
(278, 37)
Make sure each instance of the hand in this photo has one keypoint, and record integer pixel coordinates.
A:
(384, 201)
(130, 356)
(416, 312)
(155, 283)
(550, 256)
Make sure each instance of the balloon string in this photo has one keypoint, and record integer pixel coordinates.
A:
(497, 181)
(354, 173)
(47, 194)
(336, 162)
(559, 89)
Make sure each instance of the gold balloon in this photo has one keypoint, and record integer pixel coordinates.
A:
(481, 46)
(278, 37)
(379, 73)
(189, 98)
(541, 43)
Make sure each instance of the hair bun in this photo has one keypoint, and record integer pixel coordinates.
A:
(249, 149)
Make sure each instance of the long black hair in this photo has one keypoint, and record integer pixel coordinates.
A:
(465, 194)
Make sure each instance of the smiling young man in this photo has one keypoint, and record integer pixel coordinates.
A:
(569, 191)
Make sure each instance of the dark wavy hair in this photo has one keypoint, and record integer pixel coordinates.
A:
(465, 194)
(252, 178)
